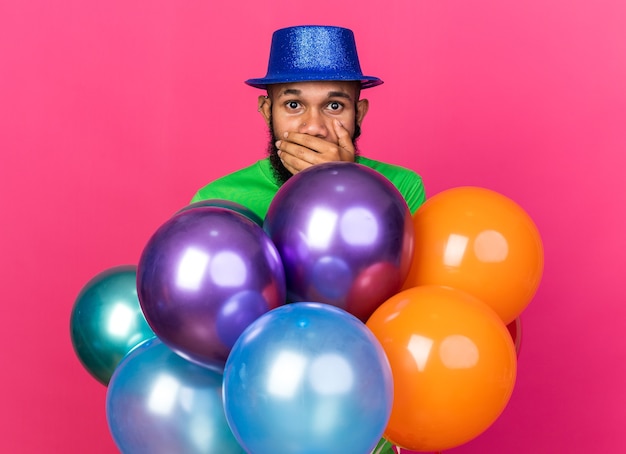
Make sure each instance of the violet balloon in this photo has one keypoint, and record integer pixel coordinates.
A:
(203, 277)
(345, 236)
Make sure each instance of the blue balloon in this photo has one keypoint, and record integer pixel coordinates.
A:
(158, 402)
(307, 378)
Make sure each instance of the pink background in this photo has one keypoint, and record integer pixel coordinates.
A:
(113, 113)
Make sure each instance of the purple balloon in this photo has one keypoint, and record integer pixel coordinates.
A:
(345, 236)
(203, 277)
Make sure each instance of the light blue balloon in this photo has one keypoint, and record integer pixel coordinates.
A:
(307, 378)
(158, 402)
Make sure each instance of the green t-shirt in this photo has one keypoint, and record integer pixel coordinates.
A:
(254, 186)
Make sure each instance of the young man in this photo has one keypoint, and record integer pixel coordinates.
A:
(314, 113)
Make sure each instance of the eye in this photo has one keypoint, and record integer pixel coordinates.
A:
(293, 104)
(335, 105)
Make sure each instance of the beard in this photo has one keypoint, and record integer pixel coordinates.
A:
(280, 172)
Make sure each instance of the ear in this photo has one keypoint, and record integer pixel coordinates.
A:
(362, 107)
(265, 107)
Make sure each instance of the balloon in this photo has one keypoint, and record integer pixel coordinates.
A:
(107, 322)
(307, 378)
(345, 236)
(157, 402)
(479, 241)
(203, 277)
(222, 203)
(453, 364)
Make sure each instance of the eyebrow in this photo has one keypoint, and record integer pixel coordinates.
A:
(331, 94)
(339, 94)
(290, 91)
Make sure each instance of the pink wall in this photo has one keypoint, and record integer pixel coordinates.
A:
(113, 113)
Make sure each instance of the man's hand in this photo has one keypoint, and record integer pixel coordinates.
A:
(300, 151)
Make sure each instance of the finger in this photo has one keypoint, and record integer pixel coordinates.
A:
(343, 137)
(323, 150)
(292, 163)
(293, 151)
(308, 141)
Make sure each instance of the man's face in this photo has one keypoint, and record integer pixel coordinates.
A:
(310, 108)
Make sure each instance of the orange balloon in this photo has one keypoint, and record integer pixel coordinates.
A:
(453, 363)
(479, 241)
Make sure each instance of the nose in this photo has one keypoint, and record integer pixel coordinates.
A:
(313, 124)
